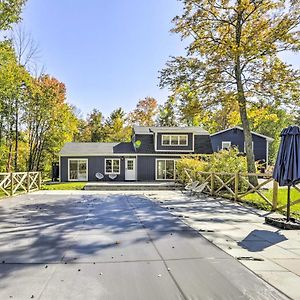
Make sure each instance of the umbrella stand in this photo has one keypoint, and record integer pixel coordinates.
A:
(288, 204)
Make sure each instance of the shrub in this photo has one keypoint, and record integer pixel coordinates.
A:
(227, 161)
(193, 165)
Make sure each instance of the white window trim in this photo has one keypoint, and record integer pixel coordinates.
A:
(87, 168)
(223, 142)
(169, 137)
(112, 159)
(165, 159)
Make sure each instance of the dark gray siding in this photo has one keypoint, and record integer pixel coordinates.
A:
(203, 144)
(179, 148)
(236, 136)
(147, 143)
(146, 166)
(95, 164)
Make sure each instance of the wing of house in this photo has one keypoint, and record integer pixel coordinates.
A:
(235, 137)
(151, 155)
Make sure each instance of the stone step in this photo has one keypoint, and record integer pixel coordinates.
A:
(114, 186)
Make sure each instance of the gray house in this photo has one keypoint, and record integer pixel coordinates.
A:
(235, 137)
(150, 156)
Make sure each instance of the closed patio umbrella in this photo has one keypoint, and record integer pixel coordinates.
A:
(287, 167)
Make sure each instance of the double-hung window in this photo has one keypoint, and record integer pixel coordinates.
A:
(112, 166)
(174, 139)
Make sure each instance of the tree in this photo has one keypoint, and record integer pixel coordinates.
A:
(10, 12)
(167, 113)
(13, 78)
(234, 48)
(95, 126)
(115, 127)
(50, 121)
(145, 112)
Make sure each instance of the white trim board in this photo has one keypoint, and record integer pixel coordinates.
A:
(133, 155)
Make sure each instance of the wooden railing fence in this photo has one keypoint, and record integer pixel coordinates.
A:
(19, 182)
(237, 186)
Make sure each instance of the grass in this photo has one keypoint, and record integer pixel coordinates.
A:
(258, 202)
(64, 186)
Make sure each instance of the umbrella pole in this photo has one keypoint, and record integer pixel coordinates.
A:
(288, 205)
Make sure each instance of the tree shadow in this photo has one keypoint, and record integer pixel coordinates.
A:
(60, 229)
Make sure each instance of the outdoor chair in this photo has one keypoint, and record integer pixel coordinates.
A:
(199, 188)
(112, 176)
(190, 186)
(99, 176)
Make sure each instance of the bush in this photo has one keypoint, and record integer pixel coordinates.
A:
(227, 161)
(193, 165)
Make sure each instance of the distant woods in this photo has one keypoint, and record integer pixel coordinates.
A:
(231, 75)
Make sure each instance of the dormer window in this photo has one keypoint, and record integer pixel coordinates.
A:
(174, 140)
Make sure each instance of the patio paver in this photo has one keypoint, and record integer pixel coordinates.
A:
(84, 245)
(240, 231)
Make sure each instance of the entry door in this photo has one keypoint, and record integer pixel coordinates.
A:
(130, 169)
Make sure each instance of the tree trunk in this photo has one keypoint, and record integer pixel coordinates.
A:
(243, 104)
(16, 135)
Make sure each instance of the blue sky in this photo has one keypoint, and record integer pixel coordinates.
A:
(107, 52)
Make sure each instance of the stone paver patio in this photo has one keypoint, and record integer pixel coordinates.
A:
(85, 245)
(272, 254)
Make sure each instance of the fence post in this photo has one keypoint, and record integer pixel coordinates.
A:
(236, 186)
(28, 182)
(212, 183)
(40, 180)
(275, 195)
(11, 183)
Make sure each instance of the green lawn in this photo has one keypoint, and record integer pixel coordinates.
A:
(282, 199)
(64, 186)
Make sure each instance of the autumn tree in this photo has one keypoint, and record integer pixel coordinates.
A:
(233, 48)
(145, 112)
(50, 121)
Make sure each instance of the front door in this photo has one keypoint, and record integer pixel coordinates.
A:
(130, 169)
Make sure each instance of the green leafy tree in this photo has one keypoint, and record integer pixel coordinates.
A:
(115, 127)
(234, 48)
(167, 113)
(10, 12)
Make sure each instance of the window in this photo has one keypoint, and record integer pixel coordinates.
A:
(183, 141)
(166, 140)
(78, 170)
(112, 166)
(130, 165)
(165, 169)
(174, 140)
(226, 145)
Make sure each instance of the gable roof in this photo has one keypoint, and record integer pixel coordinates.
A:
(85, 149)
(269, 139)
(186, 129)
